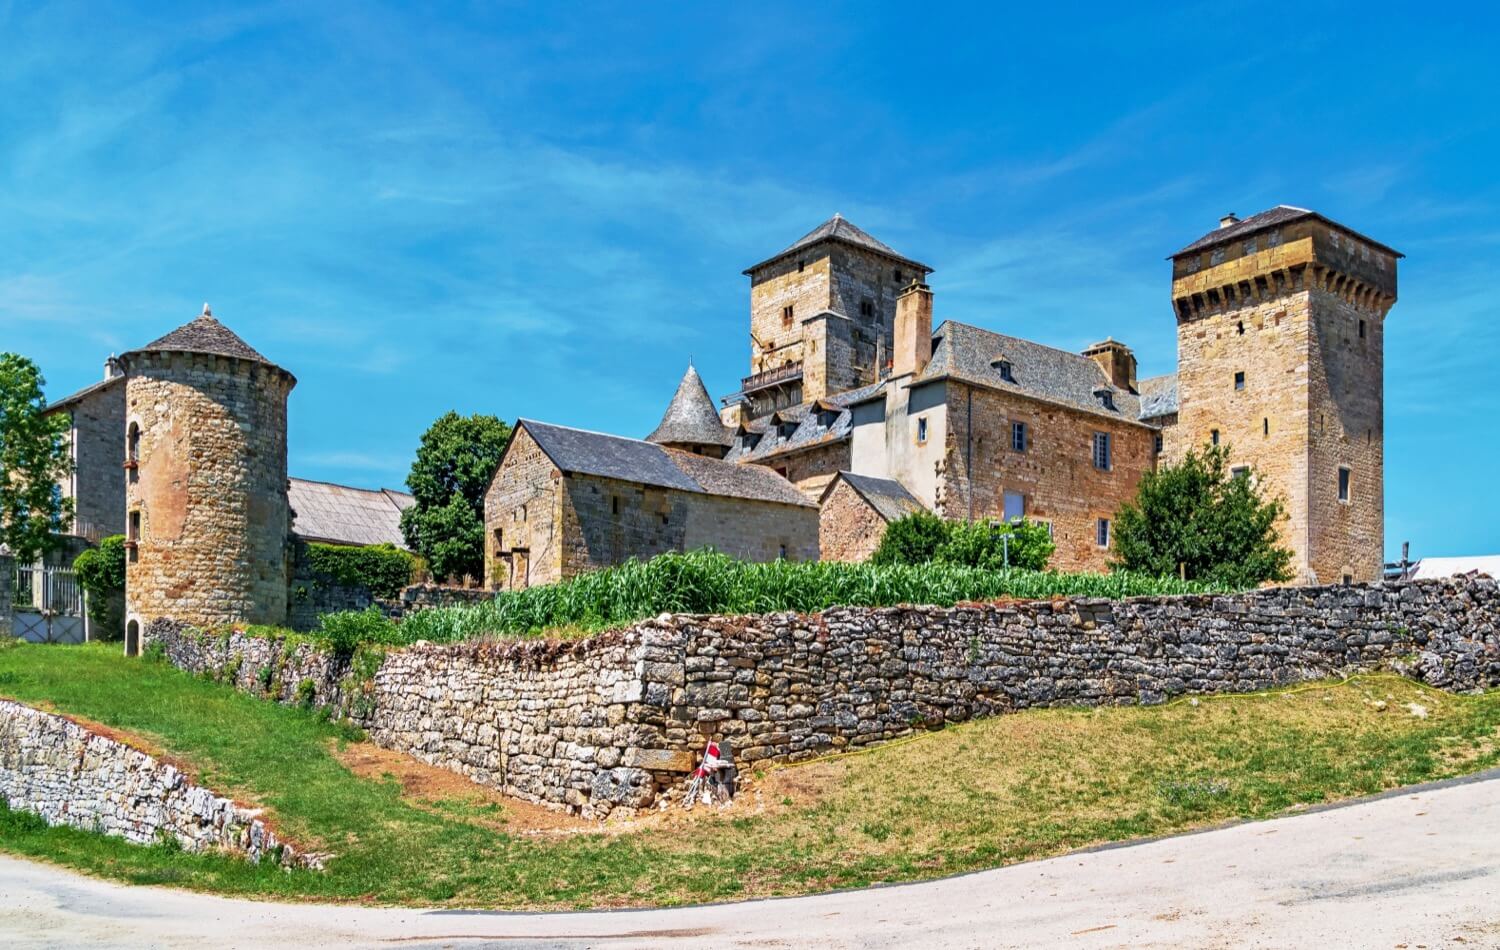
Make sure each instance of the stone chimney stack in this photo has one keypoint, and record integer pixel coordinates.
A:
(912, 347)
(1117, 362)
(1228, 219)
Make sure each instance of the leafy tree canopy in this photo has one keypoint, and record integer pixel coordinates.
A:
(922, 537)
(1217, 525)
(33, 458)
(454, 464)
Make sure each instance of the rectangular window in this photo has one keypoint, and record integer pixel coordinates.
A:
(1018, 436)
(1240, 471)
(614, 504)
(1265, 426)
(1239, 380)
(1102, 459)
(1015, 505)
(1214, 437)
(921, 431)
(782, 553)
(1159, 443)
(866, 308)
(499, 540)
(1101, 533)
(134, 527)
(1343, 483)
(1361, 329)
(786, 315)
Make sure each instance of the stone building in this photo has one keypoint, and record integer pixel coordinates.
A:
(96, 446)
(207, 517)
(1279, 337)
(855, 510)
(1280, 346)
(564, 501)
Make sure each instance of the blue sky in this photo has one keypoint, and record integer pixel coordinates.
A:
(543, 210)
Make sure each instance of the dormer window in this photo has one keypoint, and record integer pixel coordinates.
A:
(1004, 369)
(1106, 399)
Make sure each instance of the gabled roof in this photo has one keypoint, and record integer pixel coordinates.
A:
(690, 418)
(968, 353)
(1281, 214)
(580, 452)
(888, 497)
(341, 514)
(73, 399)
(204, 334)
(838, 228)
(810, 427)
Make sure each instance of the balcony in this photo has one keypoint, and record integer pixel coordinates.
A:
(766, 379)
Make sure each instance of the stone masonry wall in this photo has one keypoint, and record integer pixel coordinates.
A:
(604, 723)
(210, 491)
(56, 768)
(849, 529)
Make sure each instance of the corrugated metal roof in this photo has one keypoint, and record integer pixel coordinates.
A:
(340, 514)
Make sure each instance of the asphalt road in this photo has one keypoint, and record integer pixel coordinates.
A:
(1416, 869)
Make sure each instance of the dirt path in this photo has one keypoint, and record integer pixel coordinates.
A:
(1413, 869)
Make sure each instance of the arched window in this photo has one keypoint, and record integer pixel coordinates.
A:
(133, 449)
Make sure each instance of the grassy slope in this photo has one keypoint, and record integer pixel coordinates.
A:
(978, 795)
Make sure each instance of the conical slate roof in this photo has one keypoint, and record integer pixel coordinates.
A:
(204, 334)
(838, 228)
(691, 418)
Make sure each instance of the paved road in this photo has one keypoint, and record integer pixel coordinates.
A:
(1421, 868)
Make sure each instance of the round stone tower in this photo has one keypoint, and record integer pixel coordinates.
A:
(207, 517)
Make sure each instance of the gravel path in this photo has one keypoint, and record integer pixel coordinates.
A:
(1416, 868)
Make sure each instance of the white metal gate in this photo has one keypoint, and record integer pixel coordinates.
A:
(48, 606)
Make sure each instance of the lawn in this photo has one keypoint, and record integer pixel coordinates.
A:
(978, 795)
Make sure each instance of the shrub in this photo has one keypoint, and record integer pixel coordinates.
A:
(101, 573)
(914, 539)
(1021, 544)
(383, 568)
(343, 632)
(1199, 518)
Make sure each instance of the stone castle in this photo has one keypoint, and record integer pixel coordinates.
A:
(857, 398)
(859, 408)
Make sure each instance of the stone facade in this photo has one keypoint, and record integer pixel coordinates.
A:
(207, 497)
(544, 524)
(53, 767)
(96, 445)
(1055, 474)
(604, 723)
(1280, 356)
(849, 528)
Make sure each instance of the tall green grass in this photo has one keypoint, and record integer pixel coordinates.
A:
(707, 582)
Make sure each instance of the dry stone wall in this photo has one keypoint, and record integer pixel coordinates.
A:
(603, 724)
(55, 768)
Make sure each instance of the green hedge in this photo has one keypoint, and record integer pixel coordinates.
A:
(384, 568)
(101, 574)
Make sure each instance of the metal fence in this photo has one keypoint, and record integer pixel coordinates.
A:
(52, 589)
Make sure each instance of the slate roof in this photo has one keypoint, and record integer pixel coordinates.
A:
(204, 334)
(1281, 214)
(580, 452)
(1158, 396)
(968, 354)
(73, 399)
(888, 497)
(838, 228)
(809, 427)
(690, 418)
(340, 514)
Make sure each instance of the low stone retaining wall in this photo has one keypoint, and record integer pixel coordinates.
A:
(55, 768)
(602, 723)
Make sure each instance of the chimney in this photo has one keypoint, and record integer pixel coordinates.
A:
(112, 367)
(912, 347)
(1117, 362)
(1228, 219)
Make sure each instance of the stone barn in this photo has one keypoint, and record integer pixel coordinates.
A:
(564, 501)
(855, 512)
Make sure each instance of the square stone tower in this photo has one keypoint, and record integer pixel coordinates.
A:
(822, 314)
(1280, 356)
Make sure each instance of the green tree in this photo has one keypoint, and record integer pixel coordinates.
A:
(914, 539)
(1200, 517)
(992, 545)
(455, 462)
(33, 458)
(101, 571)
